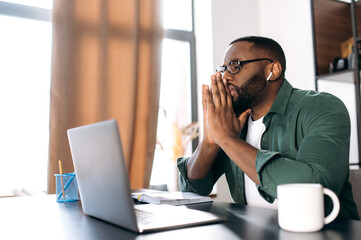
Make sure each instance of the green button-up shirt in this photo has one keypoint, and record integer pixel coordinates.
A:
(306, 140)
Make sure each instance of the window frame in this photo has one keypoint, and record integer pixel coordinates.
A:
(24, 11)
(188, 36)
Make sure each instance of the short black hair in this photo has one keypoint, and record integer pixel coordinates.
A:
(267, 45)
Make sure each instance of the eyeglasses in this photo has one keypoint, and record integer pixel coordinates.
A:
(233, 67)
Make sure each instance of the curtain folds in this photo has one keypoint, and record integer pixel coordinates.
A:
(106, 64)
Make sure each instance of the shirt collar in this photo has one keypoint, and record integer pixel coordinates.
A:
(282, 98)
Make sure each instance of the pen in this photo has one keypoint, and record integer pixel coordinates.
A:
(61, 178)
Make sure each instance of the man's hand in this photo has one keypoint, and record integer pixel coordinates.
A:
(220, 123)
(207, 138)
(220, 120)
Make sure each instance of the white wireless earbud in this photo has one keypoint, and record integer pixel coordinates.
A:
(269, 76)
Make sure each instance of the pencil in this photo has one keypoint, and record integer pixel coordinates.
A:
(61, 178)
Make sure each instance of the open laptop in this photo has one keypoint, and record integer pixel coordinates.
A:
(104, 184)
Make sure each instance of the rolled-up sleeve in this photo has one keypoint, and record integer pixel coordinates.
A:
(202, 186)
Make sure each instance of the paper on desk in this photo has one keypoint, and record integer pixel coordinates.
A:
(172, 198)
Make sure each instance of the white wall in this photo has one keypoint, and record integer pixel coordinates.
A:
(289, 23)
(222, 21)
(232, 19)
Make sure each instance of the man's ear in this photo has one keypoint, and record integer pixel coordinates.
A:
(276, 70)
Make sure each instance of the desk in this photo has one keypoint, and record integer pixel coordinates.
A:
(44, 218)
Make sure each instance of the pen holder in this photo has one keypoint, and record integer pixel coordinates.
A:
(66, 183)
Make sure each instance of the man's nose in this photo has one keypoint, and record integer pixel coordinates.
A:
(226, 75)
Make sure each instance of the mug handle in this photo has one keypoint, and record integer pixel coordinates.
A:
(336, 205)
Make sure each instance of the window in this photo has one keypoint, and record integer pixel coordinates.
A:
(178, 92)
(25, 47)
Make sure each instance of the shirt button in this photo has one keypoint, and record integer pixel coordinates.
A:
(265, 187)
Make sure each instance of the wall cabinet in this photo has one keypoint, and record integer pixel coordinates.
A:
(337, 48)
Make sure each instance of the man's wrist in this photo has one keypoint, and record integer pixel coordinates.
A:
(210, 147)
(227, 141)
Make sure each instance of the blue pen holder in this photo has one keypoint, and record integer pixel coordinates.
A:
(70, 184)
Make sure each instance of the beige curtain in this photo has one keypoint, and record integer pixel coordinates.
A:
(106, 64)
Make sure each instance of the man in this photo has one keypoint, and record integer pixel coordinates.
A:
(262, 132)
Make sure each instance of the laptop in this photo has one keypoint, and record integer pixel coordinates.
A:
(104, 186)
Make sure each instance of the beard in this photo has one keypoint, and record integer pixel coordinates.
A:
(248, 93)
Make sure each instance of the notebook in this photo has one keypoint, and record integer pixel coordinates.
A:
(104, 184)
(172, 198)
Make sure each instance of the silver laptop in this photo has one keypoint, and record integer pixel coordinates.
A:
(104, 184)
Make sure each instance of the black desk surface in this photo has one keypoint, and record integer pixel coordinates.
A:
(44, 218)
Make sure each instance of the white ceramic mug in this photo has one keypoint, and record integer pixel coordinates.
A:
(301, 207)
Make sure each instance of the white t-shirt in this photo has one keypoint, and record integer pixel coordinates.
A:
(254, 134)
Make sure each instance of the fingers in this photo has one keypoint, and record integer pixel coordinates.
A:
(215, 91)
(228, 95)
(204, 103)
(244, 116)
(206, 100)
(219, 91)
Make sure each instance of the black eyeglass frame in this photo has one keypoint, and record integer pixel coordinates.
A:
(222, 69)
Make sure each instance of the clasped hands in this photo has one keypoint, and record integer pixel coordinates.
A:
(220, 121)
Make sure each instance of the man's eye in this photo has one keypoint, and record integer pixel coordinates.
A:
(234, 65)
